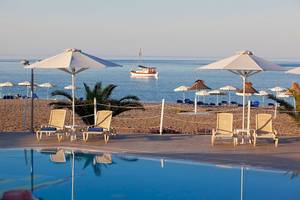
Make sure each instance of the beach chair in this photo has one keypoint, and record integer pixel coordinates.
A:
(102, 126)
(264, 129)
(58, 157)
(103, 159)
(55, 125)
(224, 129)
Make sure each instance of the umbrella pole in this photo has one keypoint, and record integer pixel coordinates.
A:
(183, 97)
(229, 101)
(73, 99)
(32, 100)
(73, 174)
(195, 104)
(244, 99)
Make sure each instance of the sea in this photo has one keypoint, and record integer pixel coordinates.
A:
(173, 72)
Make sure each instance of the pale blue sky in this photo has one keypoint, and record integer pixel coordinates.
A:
(195, 28)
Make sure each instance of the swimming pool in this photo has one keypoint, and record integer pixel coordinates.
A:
(48, 174)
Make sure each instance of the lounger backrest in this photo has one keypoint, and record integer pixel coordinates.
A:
(264, 122)
(225, 123)
(104, 119)
(57, 118)
(58, 157)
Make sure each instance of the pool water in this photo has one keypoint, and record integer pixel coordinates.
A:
(127, 177)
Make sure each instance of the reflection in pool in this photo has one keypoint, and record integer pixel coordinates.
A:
(62, 174)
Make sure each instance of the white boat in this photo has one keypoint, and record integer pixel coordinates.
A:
(144, 72)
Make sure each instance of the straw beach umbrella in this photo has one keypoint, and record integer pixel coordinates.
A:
(228, 89)
(72, 61)
(182, 89)
(198, 85)
(47, 85)
(244, 64)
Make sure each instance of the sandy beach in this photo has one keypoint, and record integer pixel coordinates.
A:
(178, 118)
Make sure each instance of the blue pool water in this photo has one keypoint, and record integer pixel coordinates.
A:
(129, 177)
(172, 73)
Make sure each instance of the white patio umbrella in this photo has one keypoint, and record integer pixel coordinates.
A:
(6, 84)
(244, 64)
(228, 89)
(263, 94)
(202, 93)
(47, 85)
(182, 89)
(69, 87)
(216, 93)
(72, 61)
(26, 84)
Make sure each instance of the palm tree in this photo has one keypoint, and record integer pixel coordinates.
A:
(286, 106)
(104, 100)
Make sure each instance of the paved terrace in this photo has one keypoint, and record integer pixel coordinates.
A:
(185, 147)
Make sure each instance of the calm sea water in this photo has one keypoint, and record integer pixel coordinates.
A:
(140, 178)
(172, 73)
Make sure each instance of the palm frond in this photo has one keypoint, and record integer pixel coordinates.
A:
(62, 93)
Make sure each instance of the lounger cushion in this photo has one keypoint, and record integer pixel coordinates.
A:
(48, 129)
(95, 129)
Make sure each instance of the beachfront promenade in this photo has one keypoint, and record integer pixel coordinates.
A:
(186, 147)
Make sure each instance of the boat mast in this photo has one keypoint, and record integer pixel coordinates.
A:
(140, 56)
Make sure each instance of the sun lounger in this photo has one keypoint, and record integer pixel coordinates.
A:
(103, 159)
(55, 125)
(264, 129)
(58, 157)
(224, 129)
(102, 126)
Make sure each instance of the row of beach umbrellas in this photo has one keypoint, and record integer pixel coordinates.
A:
(74, 61)
(27, 84)
(249, 91)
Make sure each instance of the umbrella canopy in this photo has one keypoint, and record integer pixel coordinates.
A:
(181, 88)
(7, 84)
(295, 70)
(249, 90)
(199, 85)
(202, 93)
(228, 88)
(69, 87)
(283, 95)
(262, 93)
(46, 85)
(245, 64)
(72, 61)
(216, 92)
(278, 89)
(25, 83)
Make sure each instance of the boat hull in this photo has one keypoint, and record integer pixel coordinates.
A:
(143, 75)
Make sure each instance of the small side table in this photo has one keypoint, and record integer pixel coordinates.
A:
(244, 133)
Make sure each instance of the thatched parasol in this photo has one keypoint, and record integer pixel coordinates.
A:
(249, 90)
(199, 85)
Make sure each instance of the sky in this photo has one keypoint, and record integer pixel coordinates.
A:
(173, 28)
